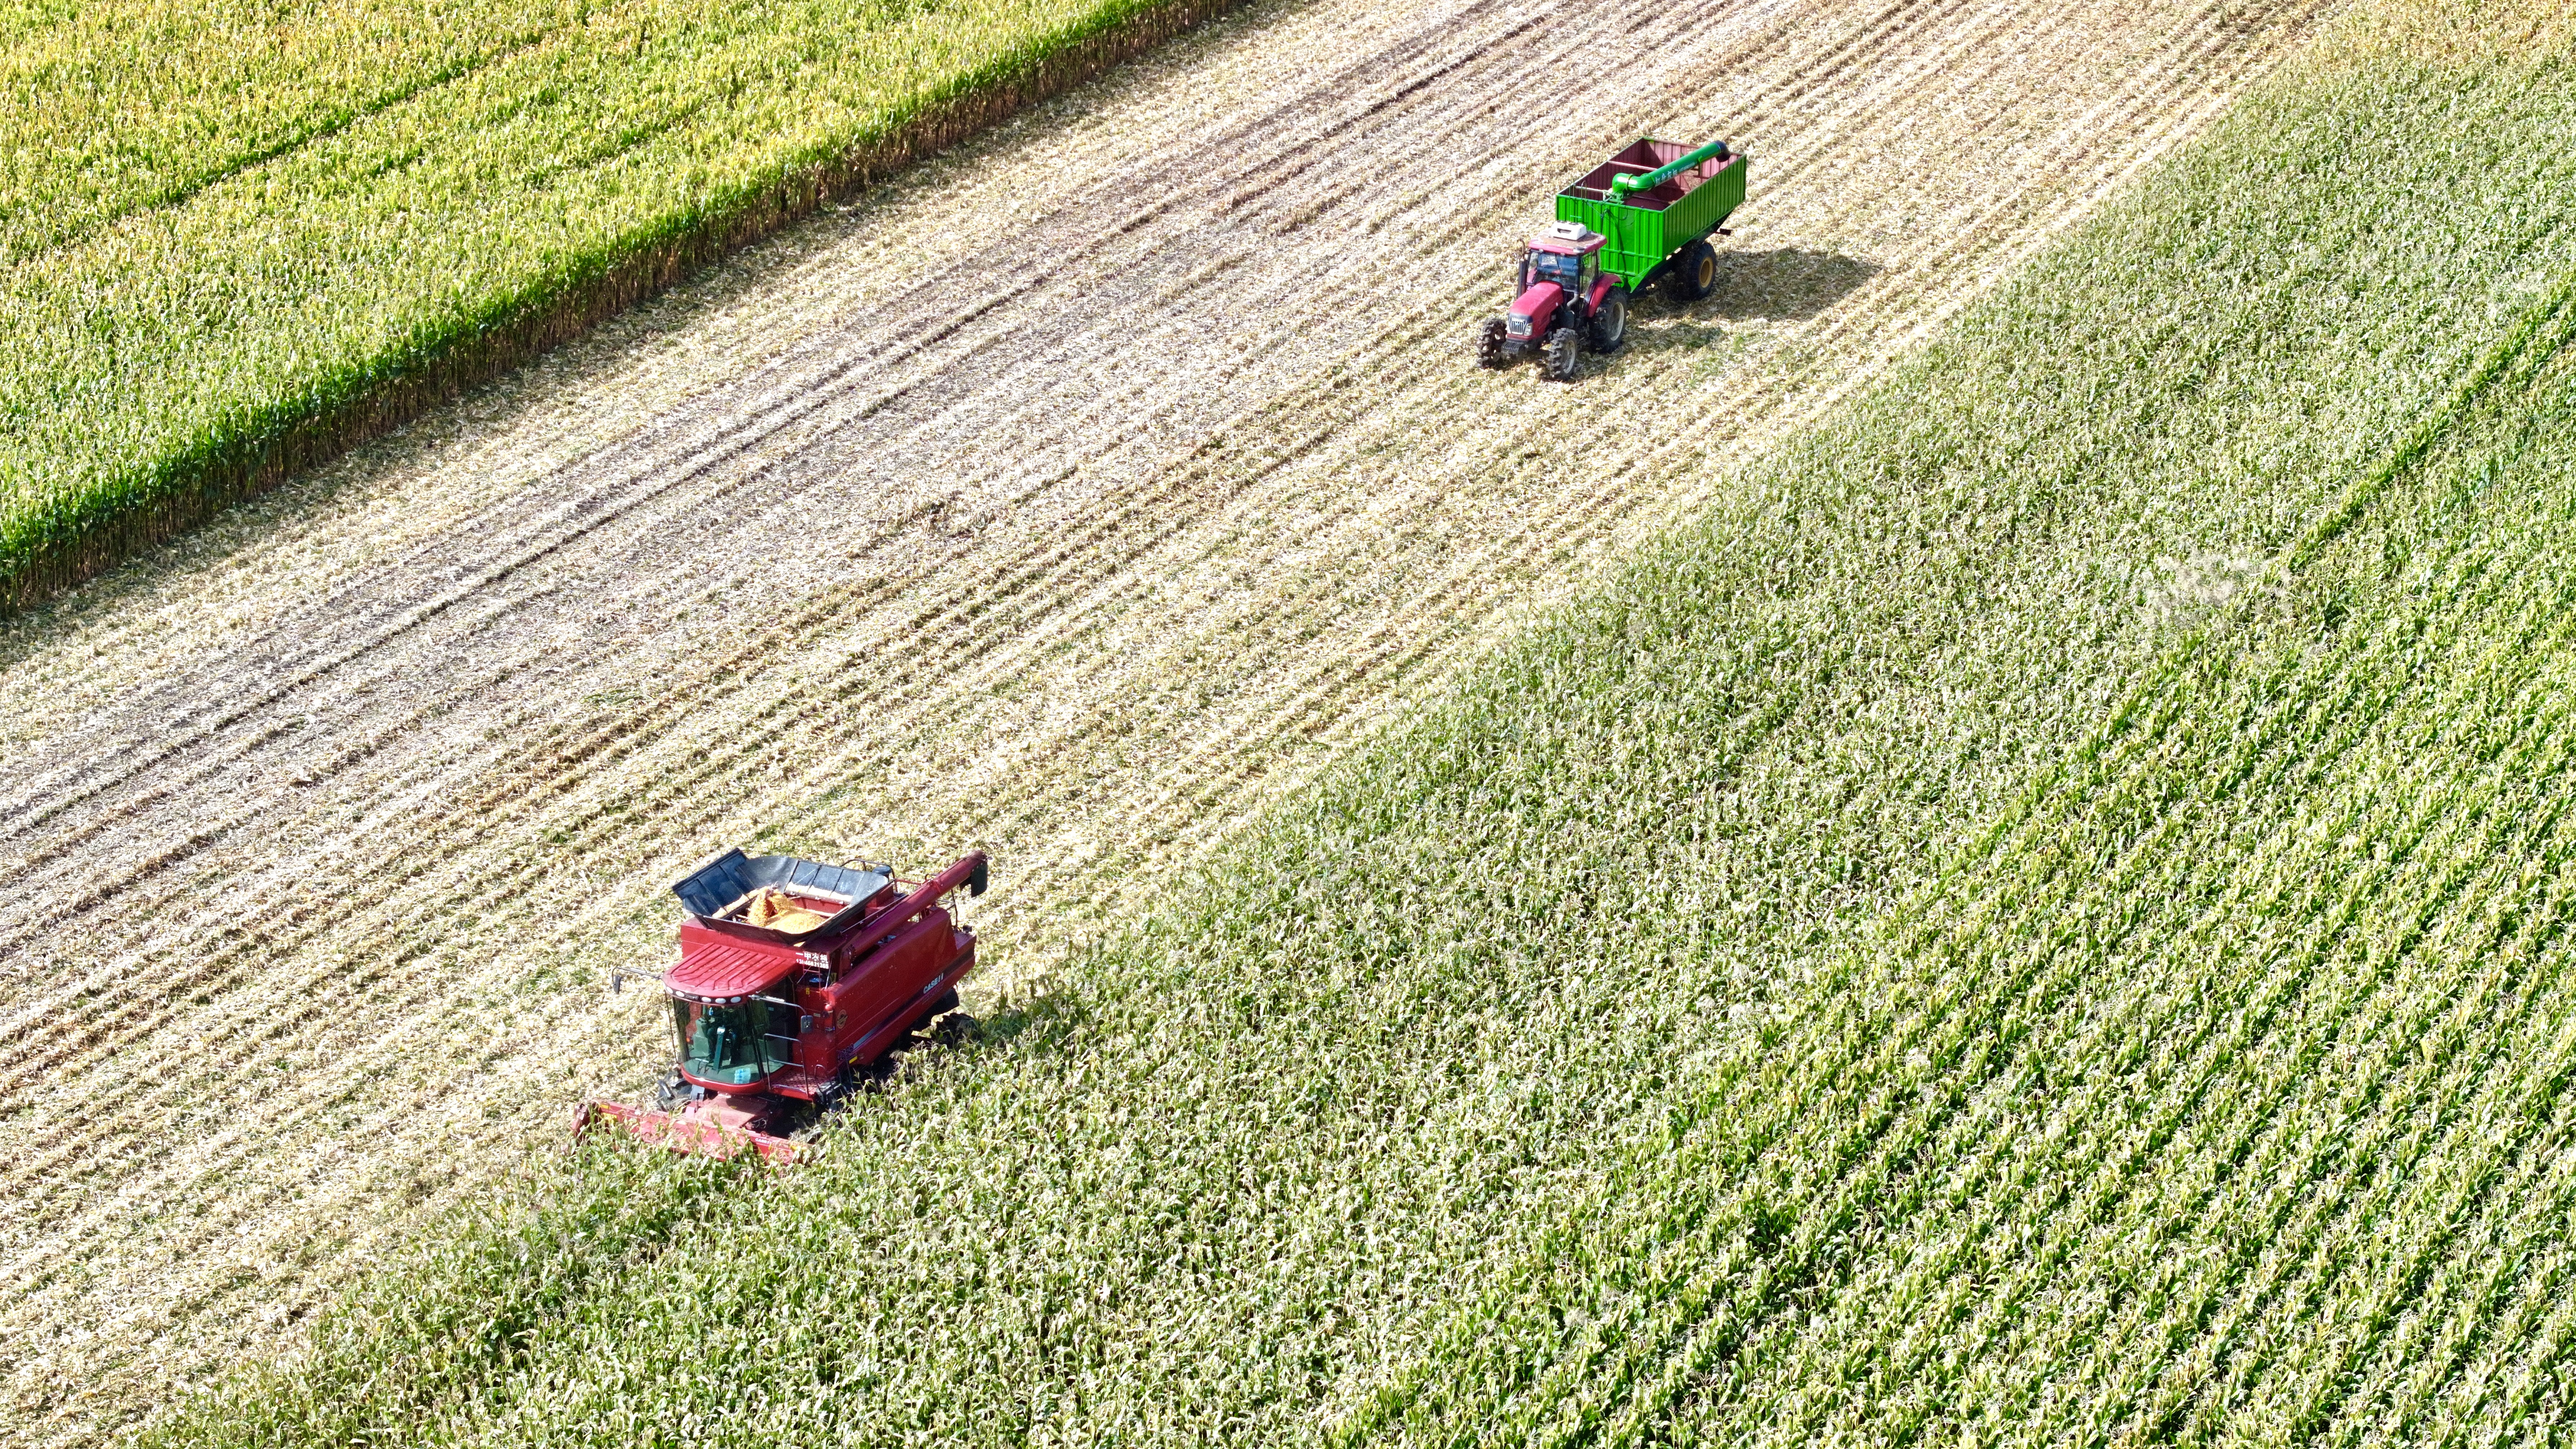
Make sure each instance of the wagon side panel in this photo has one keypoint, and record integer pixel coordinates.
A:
(1636, 235)
(1705, 208)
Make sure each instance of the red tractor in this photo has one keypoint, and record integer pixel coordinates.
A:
(1644, 215)
(1563, 303)
(795, 981)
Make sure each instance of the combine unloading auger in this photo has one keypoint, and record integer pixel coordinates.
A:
(794, 979)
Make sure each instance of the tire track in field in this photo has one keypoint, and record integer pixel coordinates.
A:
(350, 653)
(1076, 496)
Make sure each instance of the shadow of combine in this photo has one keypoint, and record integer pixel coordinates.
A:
(1045, 1023)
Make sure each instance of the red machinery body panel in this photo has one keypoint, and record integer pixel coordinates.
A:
(1561, 284)
(1532, 310)
(1644, 215)
(791, 974)
(843, 999)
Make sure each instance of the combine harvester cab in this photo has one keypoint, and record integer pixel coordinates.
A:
(794, 977)
(1645, 215)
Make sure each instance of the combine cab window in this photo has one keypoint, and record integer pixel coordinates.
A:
(738, 1044)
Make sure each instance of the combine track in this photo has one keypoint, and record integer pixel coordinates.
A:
(1073, 497)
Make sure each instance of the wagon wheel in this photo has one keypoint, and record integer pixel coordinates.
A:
(1610, 322)
(1564, 350)
(1693, 274)
(1491, 341)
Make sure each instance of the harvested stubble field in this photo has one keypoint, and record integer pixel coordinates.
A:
(1077, 495)
(2041, 917)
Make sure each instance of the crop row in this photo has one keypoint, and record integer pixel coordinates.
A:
(1985, 1046)
(2277, 971)
(115, 109)
(146, 1253)
(179, 326)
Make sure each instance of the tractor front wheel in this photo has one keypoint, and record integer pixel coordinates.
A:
(1492, 343)
(1693, 274)
(1610, 322)
(1563, 351)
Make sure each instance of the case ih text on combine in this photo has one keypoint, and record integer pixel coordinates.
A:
(795, 980)
(1642, 216)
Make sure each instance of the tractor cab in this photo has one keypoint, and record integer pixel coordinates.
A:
(1566, 254)
(730, 1045)
(732, 1009)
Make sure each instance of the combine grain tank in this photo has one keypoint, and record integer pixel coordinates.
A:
(1645, 215)
(795, 978)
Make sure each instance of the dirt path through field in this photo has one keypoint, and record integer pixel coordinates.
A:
(1072, 497)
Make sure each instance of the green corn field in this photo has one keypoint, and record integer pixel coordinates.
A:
(2041, 918)
(236, 234)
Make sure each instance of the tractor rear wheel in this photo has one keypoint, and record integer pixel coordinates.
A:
(1491, 342)
(1693, 274)
(1610, 322)
(1561, 354)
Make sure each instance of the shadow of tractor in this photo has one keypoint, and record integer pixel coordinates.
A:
(1785, 284)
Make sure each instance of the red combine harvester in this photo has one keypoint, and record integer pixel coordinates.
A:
(795, 979)
(1645, 215)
